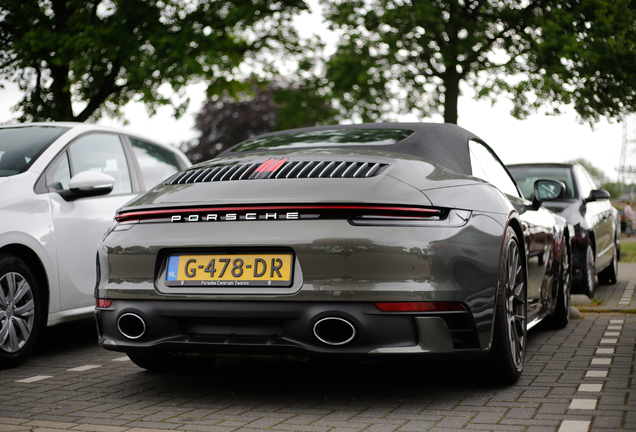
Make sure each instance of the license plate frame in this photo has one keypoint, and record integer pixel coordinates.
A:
(226, 270)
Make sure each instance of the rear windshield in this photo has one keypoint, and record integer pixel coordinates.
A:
(21, 146)
(527, 175)
(326, 138)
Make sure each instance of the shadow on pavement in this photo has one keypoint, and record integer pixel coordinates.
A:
(66, 337)
(259, 377)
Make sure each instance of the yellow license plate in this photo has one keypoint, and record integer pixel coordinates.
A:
(227, 270)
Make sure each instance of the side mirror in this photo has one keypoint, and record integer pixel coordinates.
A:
(547, 190)
(598, 195)
(88, 184)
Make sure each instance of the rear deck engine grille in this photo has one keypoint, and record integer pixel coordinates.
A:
(279, 169)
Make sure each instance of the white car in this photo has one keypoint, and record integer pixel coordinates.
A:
(60, 185)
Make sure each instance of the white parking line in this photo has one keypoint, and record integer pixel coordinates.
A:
(604, 350)
(612, 333)
(574, 426)
(83, 368)
(614, 327)
(590, 387)
(601, 361)
(616, 321)
(596, 374)
(609, 341)
(34, 379)
(628, 294)
(586, 404)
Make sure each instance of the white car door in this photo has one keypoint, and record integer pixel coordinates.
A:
(80, 223)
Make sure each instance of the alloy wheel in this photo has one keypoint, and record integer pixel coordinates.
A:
(515, 305)
(567, 282)
(17, 312)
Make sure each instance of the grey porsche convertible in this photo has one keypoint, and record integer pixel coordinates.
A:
(368, 241)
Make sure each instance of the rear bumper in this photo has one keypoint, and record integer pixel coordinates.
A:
(286, 328)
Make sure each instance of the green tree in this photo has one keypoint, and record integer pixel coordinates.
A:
(400, 56)
(615, 189)
(576, 52)
(101, 54)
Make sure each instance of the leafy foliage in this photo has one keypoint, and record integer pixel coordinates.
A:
(103, 54)
(417, 53)
(407, 56)
(615, 189)
(580, 52)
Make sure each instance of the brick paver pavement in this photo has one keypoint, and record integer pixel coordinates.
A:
(580, 378)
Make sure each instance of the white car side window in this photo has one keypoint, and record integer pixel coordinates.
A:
(156, 163)
(62, 174)
(102, 153)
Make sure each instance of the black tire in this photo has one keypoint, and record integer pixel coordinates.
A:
(506, 359)
(609, 275)
(561, 315)
(589, 272)
(166, 362)
(20, 311)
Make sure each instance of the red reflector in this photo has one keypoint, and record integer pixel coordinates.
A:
(103, 303)
(421, 307)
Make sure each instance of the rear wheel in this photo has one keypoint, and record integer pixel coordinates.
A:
(609, 275)
(507, 356)
(561, 314)
(19, 311)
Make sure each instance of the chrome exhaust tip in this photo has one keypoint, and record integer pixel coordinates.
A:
(334, 331)
(131, 325)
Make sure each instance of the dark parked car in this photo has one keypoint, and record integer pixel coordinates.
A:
(596, 243)
(366, 241)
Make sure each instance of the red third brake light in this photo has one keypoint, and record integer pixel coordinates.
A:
(275, 165)
(270, 165)
(421, 307)
(265, 165)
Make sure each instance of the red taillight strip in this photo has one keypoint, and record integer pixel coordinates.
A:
(421, 307)
(421, 212)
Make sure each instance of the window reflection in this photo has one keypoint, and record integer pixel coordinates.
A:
(327, 138)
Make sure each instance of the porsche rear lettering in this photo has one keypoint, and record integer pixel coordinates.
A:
(252, 216)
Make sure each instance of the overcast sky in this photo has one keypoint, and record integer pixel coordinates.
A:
(539, 138)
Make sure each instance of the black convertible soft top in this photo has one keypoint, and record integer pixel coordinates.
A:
(441, 143)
